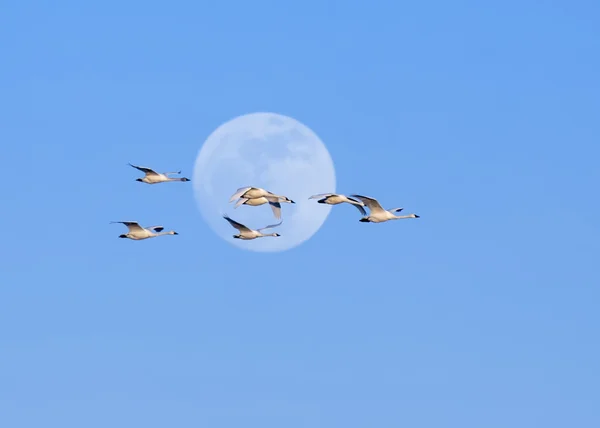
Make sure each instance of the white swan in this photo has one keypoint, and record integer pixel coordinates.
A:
(378, 214)
(257, 192)
(275, 205)
(153, 177)
(335, 199)
(246, 233)
(137, 232)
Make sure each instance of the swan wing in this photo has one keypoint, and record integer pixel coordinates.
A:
(360, 208)
(321, 195)
(147, 171)
(269, 226)
(354, 200)
(395, 210)
(241, 201)
(133, 226)
(371, 203)
(239, 192)
(276, 207)
(238, 226)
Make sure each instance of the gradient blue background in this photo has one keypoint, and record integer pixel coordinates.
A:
(480, 116)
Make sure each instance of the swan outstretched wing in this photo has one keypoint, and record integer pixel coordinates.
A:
(269, 226)
(148, 171)
(241, 201)
(360, 208)
(133, 226)
(238, 226)
(239, 192)
(321, 195)
(276, 207)
(354, 200)
(371, 203)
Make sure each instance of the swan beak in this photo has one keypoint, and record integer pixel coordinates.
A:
(175, 233)
(292, 202)
(417, 216)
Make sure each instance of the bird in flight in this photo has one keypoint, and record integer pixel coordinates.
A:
(153, 177)
(257, 192)
(377, 213)
(137, 232)
(246, 233)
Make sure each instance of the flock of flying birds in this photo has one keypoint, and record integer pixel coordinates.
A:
(255, 196)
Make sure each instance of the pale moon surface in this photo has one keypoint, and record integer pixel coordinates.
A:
(276, 153)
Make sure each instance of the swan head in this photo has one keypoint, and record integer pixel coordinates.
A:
(185, 179)
(122, 236)
(364, 220)
(173, 233)
(138, 179)
(276, 234)
(286, 199)
(415, 216)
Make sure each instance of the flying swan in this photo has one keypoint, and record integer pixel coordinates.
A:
(378, 214)
(137, 232)
(335, 199)
(246, 233)
(153, 177)
(257, 192)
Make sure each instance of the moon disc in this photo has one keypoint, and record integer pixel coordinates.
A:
(276, 153)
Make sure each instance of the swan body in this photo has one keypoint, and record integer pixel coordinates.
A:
(378, 214)
(257, 192)
(335, 199)
(137, 232)
(153, 177)
(274, 204)
(246, 233)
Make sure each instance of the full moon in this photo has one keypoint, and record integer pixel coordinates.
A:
(273, 152)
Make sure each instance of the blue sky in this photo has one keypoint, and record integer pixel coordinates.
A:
(481, 117)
